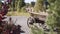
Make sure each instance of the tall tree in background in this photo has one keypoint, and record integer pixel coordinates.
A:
(39, 5)
(32, 4)
(17, 4)
(20, 4)
(27, 4)
(13, 4)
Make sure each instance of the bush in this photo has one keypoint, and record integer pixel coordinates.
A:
(23, 9)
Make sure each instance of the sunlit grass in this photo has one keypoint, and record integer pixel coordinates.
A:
(18, 13)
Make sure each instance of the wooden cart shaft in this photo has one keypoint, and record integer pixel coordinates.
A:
(41, 15)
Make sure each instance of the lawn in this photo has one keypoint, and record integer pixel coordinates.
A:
(41, 31)
(18, 13)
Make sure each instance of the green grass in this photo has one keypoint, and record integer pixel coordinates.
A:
(35, 30)
(18, 14)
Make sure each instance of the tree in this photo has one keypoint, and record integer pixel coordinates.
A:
(32, 4)
(54, 15)
(13, 4)
(39, 5)
(27, 4)
(17, 4)
(53, 20)
(20, 4)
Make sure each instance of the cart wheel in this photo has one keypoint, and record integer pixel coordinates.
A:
(30, 22)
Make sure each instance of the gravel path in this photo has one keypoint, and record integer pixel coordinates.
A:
(21, 20)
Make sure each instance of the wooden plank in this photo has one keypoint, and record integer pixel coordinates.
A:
(41, 13)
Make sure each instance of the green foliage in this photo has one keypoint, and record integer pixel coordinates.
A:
(54, 17)
(39, 5)
(51, 1)
(27, 4)
(17, 4)
(37, 31)
(20, 4)
(0, 6)
(55, 10)
(23, 9)
(32, 4)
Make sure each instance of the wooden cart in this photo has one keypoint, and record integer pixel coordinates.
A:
(37, 18)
